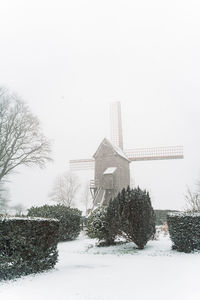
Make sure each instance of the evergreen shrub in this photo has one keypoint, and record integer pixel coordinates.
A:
(100, 226)
(27, 245)
(96, 224)
(184, 230)
(70, 219)
(136, 215)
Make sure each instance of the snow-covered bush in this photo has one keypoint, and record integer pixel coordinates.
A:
(69, 218)
(27, 245)
(97, 225)
(184, 230)
(101, 225)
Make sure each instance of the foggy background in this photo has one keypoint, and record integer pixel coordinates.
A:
(69, 59)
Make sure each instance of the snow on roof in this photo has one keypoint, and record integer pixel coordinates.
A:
(117, 150)
(110, 170)
(120, 152)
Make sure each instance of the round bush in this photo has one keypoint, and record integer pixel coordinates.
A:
(96, 224)
(70, 219)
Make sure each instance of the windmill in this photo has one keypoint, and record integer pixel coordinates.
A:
(111, 162)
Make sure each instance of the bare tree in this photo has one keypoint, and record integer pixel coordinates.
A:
(65, 189)
(192, 200)
(198, 187)
(4, 199)
(21, 139)
(86, 198)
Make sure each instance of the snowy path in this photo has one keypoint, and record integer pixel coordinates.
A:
(117, 272)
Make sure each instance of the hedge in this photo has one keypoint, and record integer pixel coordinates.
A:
(70, 219)
(27, 245)
(184, 230)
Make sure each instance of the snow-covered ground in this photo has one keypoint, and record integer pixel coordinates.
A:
(85, 271)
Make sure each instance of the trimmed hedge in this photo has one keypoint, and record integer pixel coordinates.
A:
(184, 230)
(27, 245)
(70, 219)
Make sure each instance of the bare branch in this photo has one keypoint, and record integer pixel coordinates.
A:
(21, 139)
(192, 200)
(4, 199)
(65, 189)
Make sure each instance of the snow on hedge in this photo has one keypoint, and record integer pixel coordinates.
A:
(7, 219)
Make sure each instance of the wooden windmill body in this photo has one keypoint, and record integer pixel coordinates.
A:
(112, 163)
(112, 172)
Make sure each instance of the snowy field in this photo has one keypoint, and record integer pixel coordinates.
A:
(85, 271)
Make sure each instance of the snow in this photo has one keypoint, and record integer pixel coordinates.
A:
(7, 219)
(85, 271)
(110, 170)
(184, 214)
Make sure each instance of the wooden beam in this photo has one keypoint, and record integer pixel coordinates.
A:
(156, 153)
(81, 164)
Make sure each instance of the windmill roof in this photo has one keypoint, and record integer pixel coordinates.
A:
(116, 149)
(110, 170)
(120, 152)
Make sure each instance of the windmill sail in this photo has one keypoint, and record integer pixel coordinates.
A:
(116, 124)
(156, 153)
(81, 164)
(111, 163)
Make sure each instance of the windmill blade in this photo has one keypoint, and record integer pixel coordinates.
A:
(157, 153)
(81, 164)
(116, 124)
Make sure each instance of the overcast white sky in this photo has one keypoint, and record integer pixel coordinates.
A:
(69, 58)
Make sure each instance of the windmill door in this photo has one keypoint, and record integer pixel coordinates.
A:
(108, 181)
